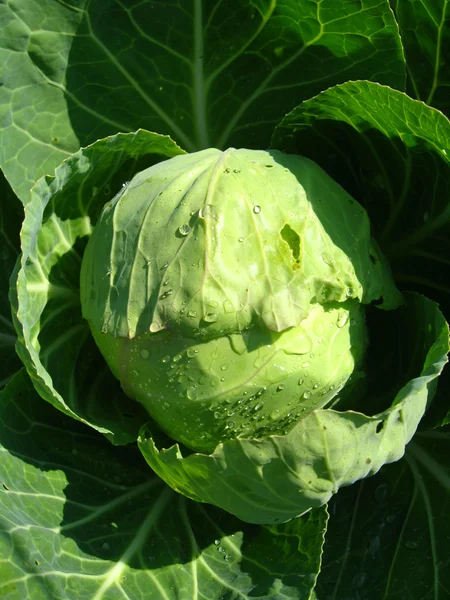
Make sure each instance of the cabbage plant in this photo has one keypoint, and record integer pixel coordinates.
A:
(226, 327)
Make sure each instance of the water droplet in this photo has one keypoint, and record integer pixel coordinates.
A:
(205, 211)
(166, 294)
(258, 407)
(227, 557)
(257, 209)
(301, 381)
(236, 170)
(241, 239)
(217, 542)
(165, 359)
(214, 382)
(280, 387)
(237, 344)
(191, 352)
(342, 319)
(210, 317)
(358, 580)
(228, 307)
(411, 545)
(390, 519)
(177, 358)
(301, 345)
(328, 259)
(374, 545)
(306, 394)
(191, 393)
(145, 353)
(184, 230)
(305, 364)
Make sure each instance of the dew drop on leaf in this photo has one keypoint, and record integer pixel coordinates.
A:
(191, 393)
(210, 317)
(411, 545)
(184, 230)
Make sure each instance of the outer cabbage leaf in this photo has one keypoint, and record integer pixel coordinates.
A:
(54, 342)
(388, 535)
(11, 215)
(81, 519)
(207, 73)
(425, 32)
(283, 476)
(392, 154)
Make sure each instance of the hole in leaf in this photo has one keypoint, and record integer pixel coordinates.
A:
(292, 239)
(380, 426)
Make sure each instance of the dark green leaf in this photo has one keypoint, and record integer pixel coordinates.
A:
(208, 73)
(425, 31)
(11, 215)
(388, 536)
(82, 519)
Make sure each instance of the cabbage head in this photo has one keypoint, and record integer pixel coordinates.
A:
(226, 291)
